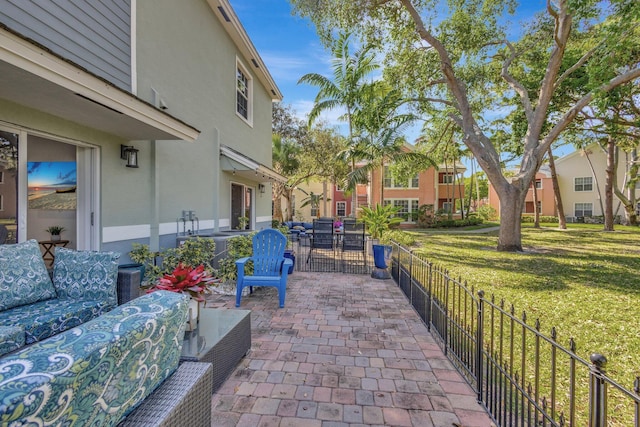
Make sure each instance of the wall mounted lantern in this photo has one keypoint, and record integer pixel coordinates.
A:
(261, 188)
(130, 154)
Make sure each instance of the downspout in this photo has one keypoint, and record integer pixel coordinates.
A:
(216, 180)
(154, 220)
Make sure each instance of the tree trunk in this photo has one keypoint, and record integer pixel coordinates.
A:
(511, 202)
(288, 194)
(608, 185)
(536, 214)
(595, 178)
(471, 178)
(278, 188)
(324, 198)
(562, 220)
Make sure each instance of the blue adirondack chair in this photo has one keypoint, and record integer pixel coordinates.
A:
(269, 264)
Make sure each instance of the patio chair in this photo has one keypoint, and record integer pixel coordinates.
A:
(269, 265)
(322, 237)
(353, 240)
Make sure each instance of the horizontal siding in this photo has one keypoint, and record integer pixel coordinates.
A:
(94, 34)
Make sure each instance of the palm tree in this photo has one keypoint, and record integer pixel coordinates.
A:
(285, 162)
(382, 141)
(345, 90)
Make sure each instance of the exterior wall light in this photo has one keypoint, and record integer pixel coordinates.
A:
(130, 154)
(261, 188)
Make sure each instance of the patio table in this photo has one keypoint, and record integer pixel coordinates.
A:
(222, 338)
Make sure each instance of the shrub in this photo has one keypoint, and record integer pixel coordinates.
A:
(237, 247)
(487, 212)
(193, 252)
(547, 219)
(453, 223)
(399, 236)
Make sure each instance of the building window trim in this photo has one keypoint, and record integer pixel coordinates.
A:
(583, 209)
(583, 183)
(390, 181)
(413, 207)
(244, 93)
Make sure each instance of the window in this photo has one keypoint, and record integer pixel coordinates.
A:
(447, 206)
(407, 208)
(315, 212)
(387, 177)
(539, 207)
(1, 202)
(244, 86)
(583, 184)
(341, 208)
(445, 178)
(403, 207)
(1, 177)
(538, 184)
(583, 209)
(391, 182)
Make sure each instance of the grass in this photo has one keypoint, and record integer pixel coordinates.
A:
(583, 281)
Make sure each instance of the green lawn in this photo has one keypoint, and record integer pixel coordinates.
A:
(583, 281)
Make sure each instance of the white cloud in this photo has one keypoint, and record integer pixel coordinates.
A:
(302, 108)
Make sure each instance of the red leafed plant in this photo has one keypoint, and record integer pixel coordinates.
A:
(185, 279)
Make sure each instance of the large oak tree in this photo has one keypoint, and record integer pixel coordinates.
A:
(460, 59)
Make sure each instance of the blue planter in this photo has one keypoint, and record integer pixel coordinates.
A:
(381, 253)
(289, 254)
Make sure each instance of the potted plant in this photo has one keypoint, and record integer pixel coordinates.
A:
(378, 221)
(55, 231)
(189, 280)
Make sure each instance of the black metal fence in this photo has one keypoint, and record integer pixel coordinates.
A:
(521, 376)
(330, 258)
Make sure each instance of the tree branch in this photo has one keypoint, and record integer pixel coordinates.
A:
(475, 139)
(584, 101)
(577, 65)
(515, 84)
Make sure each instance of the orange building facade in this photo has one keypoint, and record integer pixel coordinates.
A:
(435, 187)
(546, 199)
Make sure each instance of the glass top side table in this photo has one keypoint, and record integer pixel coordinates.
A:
(222, 338)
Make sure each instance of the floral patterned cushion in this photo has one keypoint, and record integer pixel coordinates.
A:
(99, 372)
(11, 338)
(44, 319)
(86, 275)
(23, 275)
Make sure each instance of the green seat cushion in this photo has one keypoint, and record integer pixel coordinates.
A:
(11, 338)
(86, 275)
(44, 319)
(23, 276)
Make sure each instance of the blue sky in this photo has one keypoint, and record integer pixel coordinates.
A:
(290, 48)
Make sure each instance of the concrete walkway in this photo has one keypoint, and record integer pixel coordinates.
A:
(346, 350)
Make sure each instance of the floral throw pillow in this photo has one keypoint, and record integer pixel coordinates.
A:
(86, 275)
(23, 276)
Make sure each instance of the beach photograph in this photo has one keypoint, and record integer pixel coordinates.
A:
(52, 185)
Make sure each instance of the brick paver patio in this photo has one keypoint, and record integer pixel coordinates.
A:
(346, 350)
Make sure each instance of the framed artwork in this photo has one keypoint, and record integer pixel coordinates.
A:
(52, 185)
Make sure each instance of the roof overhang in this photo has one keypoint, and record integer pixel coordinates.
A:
(231, 24)
(33, 76)
(241, 165)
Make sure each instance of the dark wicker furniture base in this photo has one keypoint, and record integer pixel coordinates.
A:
(182, 400)
(222, 338)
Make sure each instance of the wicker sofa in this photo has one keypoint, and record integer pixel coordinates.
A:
(297, 227)
(34, 307)
(104, 372)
